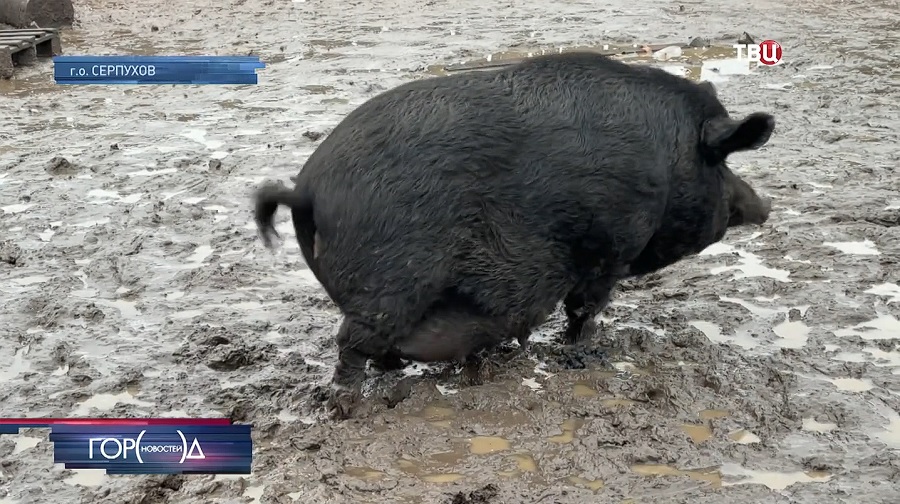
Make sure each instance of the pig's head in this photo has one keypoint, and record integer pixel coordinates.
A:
(721, 136)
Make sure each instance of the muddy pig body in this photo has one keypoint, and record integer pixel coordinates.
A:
(488, 197)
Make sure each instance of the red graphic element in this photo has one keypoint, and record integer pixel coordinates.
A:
(115, 421)
(769, 52)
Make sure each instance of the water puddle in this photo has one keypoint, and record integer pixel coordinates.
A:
(753, 308)
(881, 328)
(770, 479)
(14, 209)
(697, 433)
(714, 333)
(442, 478)
(889, 290)
(852, 384)
(793, 334)
(127, 309)
(18, 366)
(106, 402)
(31, 280)
(583, 390)
(200, 254)
(708, 475)
(865, 247)
(587, 483)
(413, 468)
(483, 445)
(750, 265)
(812, 425)
(25, 443)
(877, 357)
(568, 428)
(713, 414)
(891, 434)
(254, 492)
(743, 436)
(86, 477)
(722, 476)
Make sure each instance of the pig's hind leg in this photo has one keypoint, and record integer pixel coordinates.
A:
(357, 342)
(584, 302)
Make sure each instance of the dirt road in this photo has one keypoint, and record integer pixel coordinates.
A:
(765, 370)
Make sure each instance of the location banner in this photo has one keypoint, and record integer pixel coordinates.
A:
(156, 69)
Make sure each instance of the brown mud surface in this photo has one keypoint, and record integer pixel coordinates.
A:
(765, 370)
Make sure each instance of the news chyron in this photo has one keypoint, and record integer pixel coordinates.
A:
(145, 445)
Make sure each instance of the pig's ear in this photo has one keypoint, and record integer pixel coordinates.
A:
(708, 87)
(726, 135)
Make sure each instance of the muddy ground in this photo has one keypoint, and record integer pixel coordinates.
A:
(765, 370)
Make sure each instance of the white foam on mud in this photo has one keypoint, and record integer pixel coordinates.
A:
(865, 247)
(14, 209)
(86, 477)
(880, 328)
(771, 479)
(714, 333)
(810, 424)
(889, 290)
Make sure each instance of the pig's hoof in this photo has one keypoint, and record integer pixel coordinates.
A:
(341, 402)
(390, 362)
(577, 333)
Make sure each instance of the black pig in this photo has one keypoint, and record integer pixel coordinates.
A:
(451, 214)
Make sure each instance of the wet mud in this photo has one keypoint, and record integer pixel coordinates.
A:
(765, 370)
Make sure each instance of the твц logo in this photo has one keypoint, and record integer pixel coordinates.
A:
(767, 52)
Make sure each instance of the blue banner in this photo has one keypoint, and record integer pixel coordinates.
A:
(160, 446)
(156, 69)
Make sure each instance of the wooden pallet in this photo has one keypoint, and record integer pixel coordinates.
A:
(23, 47)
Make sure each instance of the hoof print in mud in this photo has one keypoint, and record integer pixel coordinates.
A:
(222, 353)
(483, 495)
(341, 403)
(579, 357)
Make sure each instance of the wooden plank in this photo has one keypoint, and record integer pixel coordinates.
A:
(29, 30)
